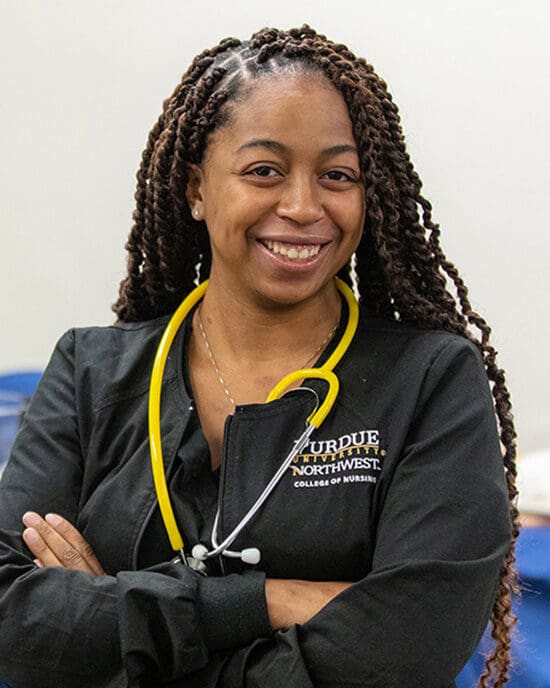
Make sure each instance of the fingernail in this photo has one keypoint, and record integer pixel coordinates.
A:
(53, 519)
(31, 519)
(32, 536)
(37, 563)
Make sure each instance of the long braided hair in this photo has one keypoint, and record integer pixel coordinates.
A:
(401, 270)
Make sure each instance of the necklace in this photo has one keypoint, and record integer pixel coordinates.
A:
(215, 365)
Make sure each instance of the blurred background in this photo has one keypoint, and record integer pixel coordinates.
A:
(83, 82)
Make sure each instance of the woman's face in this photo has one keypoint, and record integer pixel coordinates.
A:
(280, 191)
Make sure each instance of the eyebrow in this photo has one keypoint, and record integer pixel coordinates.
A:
(281, 148)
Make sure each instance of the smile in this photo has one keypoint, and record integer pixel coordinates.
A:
(292, 251)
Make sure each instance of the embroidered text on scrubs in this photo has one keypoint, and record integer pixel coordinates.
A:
(351, 458)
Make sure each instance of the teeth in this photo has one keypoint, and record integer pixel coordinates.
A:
(293, 251)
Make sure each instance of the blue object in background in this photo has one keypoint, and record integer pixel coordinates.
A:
(15, 392)
(531, 634)
(23, 383)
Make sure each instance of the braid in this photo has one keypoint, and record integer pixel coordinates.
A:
(161, 259)
(401, 270)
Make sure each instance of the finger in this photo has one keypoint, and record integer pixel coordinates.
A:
(69, 533)
(38, 563)
(39, 548)
(65, 553)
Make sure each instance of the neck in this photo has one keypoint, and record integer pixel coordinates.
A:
(241, 330)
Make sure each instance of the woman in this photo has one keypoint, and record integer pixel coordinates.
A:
(276, 165)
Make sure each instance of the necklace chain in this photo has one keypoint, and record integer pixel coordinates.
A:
(215, 365)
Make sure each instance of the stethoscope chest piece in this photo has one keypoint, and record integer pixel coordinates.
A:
(191, 562)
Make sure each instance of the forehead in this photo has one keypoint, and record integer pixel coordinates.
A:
(295, 109)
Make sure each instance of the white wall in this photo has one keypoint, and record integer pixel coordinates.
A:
(82, 83)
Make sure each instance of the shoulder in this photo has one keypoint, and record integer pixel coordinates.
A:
(114, 361)
(398, 355)
(397, 339)
(127, 338)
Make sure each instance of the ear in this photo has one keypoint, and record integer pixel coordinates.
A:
(194, 191)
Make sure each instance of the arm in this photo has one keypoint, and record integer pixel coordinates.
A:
(56, 542)
(64, 627)
(441, 538)
(294, 602)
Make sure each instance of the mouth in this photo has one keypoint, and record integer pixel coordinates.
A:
(291, 251)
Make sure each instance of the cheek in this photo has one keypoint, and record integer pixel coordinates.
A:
(352, 217)
(228, 222)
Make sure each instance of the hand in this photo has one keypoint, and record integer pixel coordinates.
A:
(292, 602)
(55, 542)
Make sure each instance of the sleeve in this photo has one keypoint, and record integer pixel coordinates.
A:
(61, 628)
(441, 539)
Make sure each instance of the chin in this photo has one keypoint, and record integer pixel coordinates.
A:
(287, 294)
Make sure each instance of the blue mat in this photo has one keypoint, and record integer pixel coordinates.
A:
(15, 391)
(531, 636)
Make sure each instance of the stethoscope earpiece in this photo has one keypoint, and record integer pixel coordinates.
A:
(199, 552)
(251, 555)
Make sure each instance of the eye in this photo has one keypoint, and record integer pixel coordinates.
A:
(263, 171)
(338, 176)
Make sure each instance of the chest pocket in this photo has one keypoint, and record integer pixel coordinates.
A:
(317, 523)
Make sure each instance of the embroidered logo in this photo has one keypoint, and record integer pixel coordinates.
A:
(352, 458)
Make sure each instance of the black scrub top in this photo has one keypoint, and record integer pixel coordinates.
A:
(192, 486)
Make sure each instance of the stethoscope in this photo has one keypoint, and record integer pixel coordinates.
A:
(250, 555)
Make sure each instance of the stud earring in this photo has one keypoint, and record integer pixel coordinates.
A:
(196, 212)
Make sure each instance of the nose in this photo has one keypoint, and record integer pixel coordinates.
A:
(300, 201)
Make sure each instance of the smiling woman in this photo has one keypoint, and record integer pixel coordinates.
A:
(277, 165)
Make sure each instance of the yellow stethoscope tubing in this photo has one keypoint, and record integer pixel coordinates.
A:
(155, 444)
(319, 414)
(324, 372)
